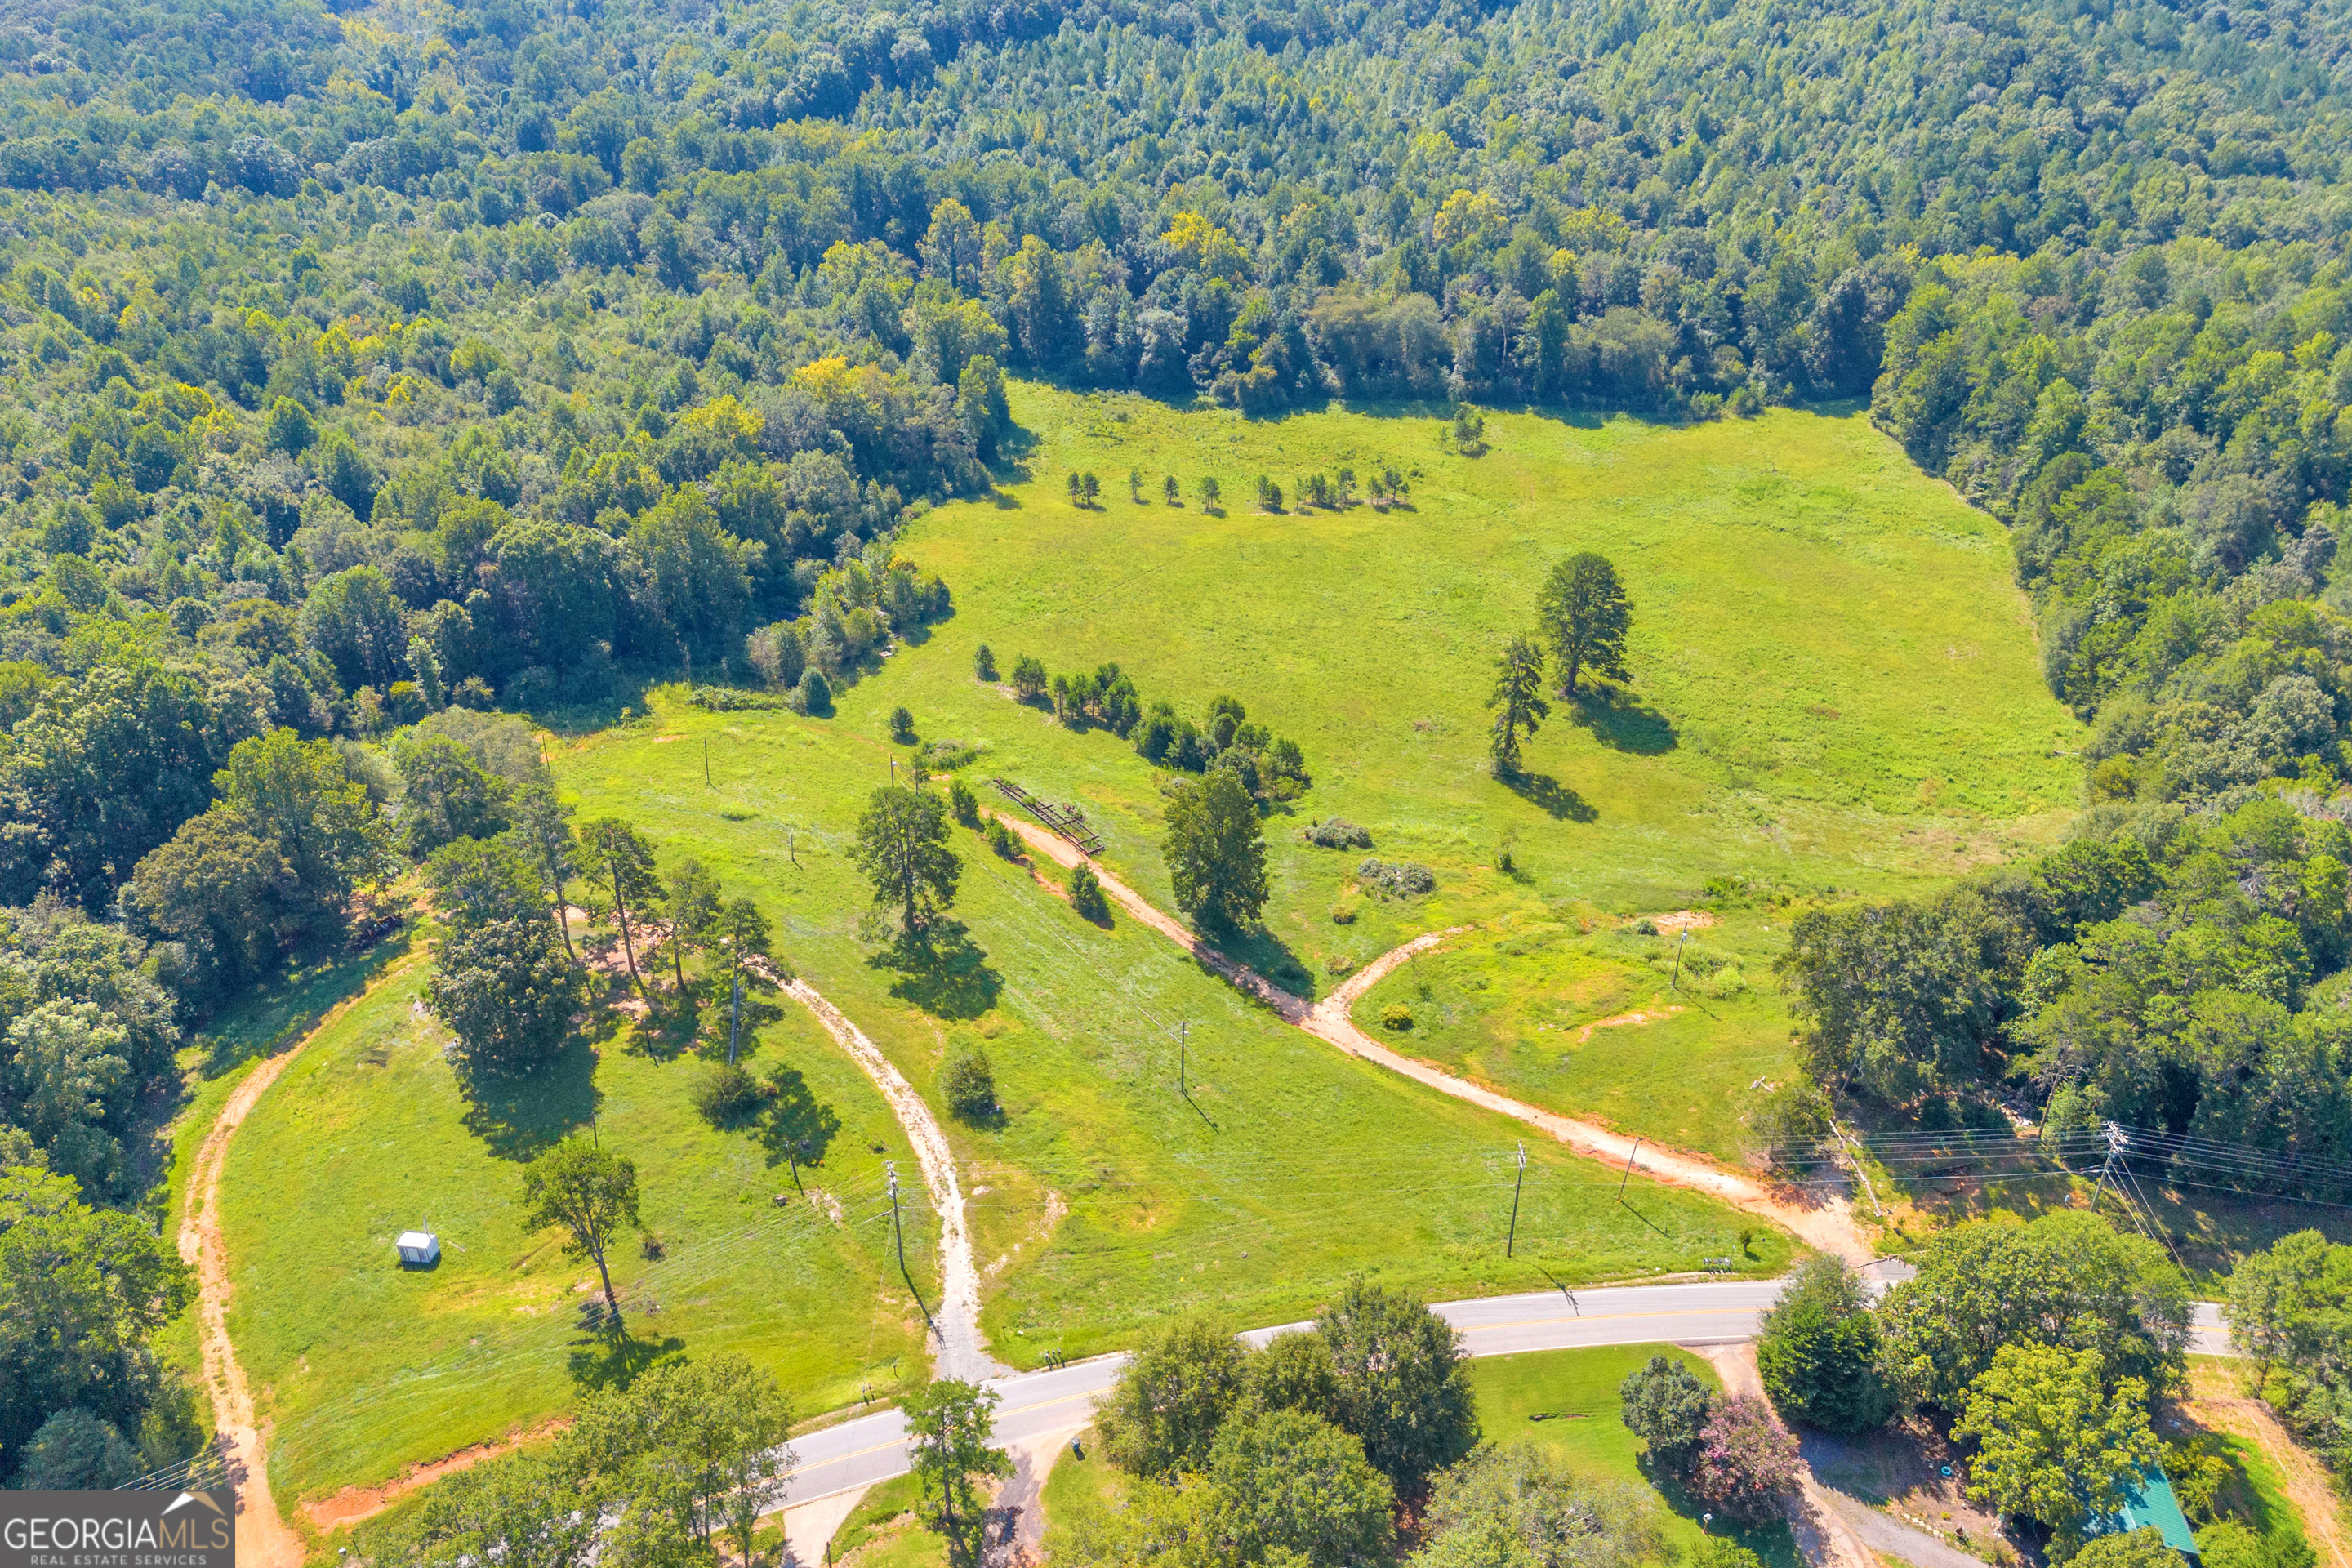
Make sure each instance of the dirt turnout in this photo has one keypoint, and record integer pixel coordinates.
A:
(1828, 1226)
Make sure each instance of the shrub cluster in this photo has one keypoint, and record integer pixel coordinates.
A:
(1395, 878)
(1336, 833)
(731, 700)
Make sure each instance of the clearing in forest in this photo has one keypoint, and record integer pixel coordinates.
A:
(361, 1367)
(1836, 686)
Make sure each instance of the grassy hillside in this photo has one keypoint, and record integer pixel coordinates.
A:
(1106, 1199)
(364, 1366)
(1835, 687)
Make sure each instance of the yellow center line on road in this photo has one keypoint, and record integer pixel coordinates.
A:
(1607, 1318)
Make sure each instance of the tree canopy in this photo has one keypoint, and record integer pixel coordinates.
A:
(1216, 851)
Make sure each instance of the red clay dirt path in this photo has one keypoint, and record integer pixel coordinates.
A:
(1828, 1226)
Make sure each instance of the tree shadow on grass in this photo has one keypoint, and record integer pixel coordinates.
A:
(796, 1127)
(1269, 956)
(519, 1115)
(1773, 1540)
(669, 1027)
(944, 973)
(1550, 796)
(604, 1359)
(1623, 721)
(280, 1013)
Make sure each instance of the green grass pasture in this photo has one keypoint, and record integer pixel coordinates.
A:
(1106, 1199)
(364, 1367)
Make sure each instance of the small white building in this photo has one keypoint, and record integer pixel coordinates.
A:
(419, 1247)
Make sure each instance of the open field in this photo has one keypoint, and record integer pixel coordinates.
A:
(1836, 686)
(365, 1367)
(1106, 1199)
(1580, 1020)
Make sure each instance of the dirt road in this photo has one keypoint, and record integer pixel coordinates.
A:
(963, 1351)
(264, 1540)
(1828, 1226)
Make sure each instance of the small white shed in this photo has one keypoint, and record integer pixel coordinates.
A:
(419, 1247)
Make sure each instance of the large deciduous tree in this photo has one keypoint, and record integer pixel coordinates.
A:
(902, 848)
(1404, 1383)
(500, 980)
(2055, 1441)
(446, 795)
(1163, 1413)
(1521, 1505)
(2067, 1280)
(1216, 851)
(694, 1452)
(589, 1195)
(950, 1422)
(1585, 616)
(298, 795)
(225, 894)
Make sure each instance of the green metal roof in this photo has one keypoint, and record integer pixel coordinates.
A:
(2148, 1504)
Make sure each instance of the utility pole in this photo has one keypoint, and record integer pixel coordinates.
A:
(1512, 1243)
(897, 1235)
(706, 761)
(1676, 984)
(1184, 1055)
(735, 1016)
(2116, 1144)
(792, 846)
(1629, 1169)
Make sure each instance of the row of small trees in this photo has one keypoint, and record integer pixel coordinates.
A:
(681, 1468)
(1299, 1451)
(1314, 1449)
(1338, 491)
(1271, 766)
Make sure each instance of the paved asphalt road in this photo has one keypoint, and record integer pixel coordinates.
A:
(1034, 1403)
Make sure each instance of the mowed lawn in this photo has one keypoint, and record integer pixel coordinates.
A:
(363, 1367)
(1568, 1401)
(1106, 1199)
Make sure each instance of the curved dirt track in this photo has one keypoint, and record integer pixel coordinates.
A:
(962, 1353)
(264, 1540)
(1829, 1226)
